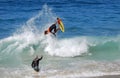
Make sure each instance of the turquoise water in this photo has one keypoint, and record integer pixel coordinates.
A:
(88, 47)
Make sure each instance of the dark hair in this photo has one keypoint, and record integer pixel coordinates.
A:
(45, 32)
(57, 18)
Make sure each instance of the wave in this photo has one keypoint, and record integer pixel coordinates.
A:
(68, 47)
(29, 41)
(103, 47)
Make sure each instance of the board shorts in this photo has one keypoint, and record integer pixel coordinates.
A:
(53, 27)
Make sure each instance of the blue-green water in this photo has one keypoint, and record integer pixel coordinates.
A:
(90, 45)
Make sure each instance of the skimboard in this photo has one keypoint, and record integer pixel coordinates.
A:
(61, 25)
(36, 74)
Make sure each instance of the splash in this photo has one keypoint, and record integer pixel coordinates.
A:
(66, 47)
(43, 19)
(26, 41)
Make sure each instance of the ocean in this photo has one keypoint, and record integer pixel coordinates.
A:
(89, 47)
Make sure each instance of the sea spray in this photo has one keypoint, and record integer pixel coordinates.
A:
(66, 47)
(26, 41)
(43, 19)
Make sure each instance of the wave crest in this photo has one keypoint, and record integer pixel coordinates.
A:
(66, 47)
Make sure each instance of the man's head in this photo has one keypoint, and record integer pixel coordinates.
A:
(57, 18)
(45, 32)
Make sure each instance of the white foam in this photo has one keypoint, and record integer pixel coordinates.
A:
(68, 47)
(82, 75)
